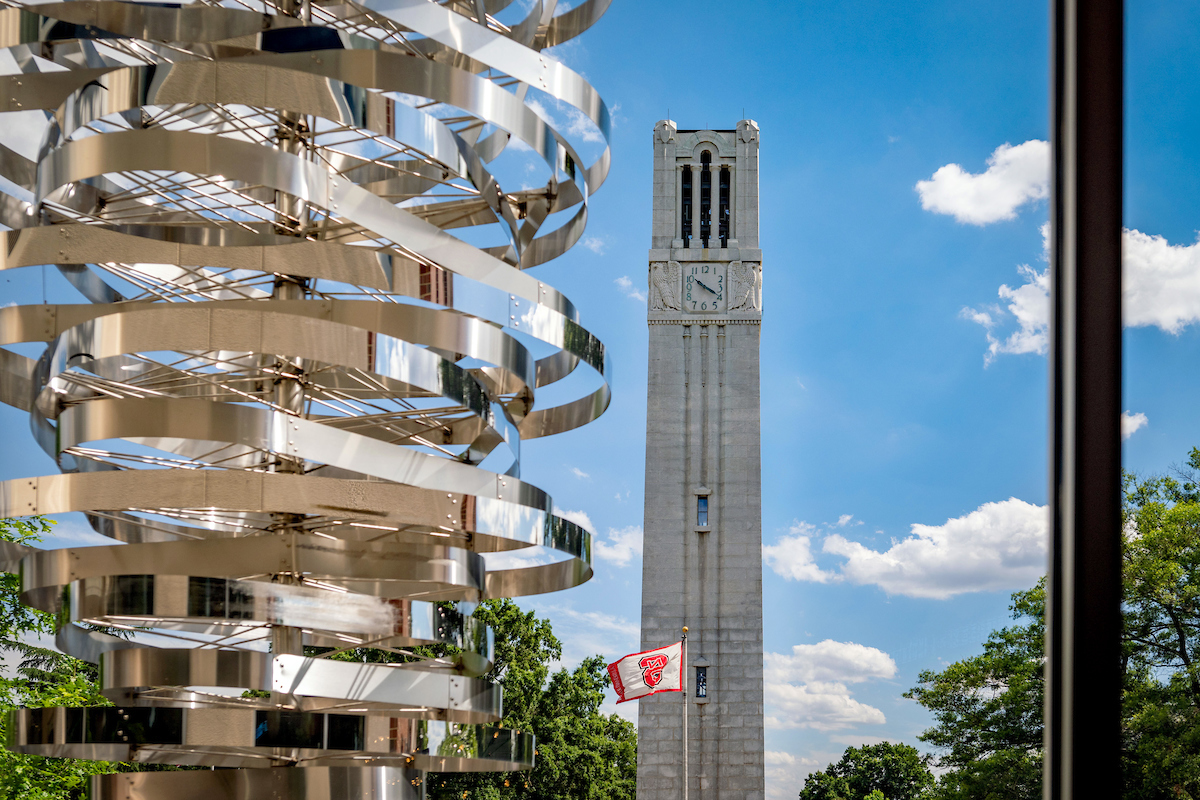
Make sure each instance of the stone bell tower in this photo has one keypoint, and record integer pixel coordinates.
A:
(702, 562)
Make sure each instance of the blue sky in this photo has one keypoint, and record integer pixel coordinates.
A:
(904, 379)
(902, 385)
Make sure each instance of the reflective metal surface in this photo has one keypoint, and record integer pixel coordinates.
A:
(294, 390)
(249, 738)
(305, 783)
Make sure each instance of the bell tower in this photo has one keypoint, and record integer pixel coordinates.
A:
(702, 562)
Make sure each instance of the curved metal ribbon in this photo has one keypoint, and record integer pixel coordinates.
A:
(296, 393)
(232, 737)
(304, 783)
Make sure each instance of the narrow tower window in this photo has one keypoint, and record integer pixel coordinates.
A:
(701, 510)
(723, 208)
(701, 681)
(705, 197)
(686, 202)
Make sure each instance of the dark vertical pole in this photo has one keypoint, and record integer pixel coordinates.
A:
(1083, 681)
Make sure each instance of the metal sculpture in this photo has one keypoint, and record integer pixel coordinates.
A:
(294, 400)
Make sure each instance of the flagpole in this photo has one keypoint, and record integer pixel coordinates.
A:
(684, 687)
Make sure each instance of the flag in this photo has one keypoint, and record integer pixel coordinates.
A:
(651, 672)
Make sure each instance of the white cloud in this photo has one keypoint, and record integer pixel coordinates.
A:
(846, 662)
(568, 119)
(1161, 289)
(821, 706)
(620, 545)
(1132, 423)
(628, 711)
(997, 546)
(792, 556)
(625, 285)
(1028, 305)
(579, 125)
(808, 688)
(587, 633)
(785, 774)
(1162, 282)
(594, 243)
(578, 473)
(1015, 176)
(626, 631)
(975, 315)
(772, 757)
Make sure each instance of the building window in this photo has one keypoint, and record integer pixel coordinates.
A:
(723, 208)
(701, 681)
(686, 202)
(701, 510)
(705, 197)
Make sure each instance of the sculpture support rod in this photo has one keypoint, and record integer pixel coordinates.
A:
(292, 217)
(1083, 620)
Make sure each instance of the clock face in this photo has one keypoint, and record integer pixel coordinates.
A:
(704, 289)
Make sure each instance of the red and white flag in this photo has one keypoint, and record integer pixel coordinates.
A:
(651, 672)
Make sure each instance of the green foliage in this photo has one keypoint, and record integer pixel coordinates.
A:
(988, 709)
(1161, 653)
(581, 753)
(883, 771)
(43, 678)
(1005, 775)
(18, 620)
(524, 648)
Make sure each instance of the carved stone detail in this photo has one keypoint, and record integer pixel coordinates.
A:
(664, 285)
(744, 286)
(747, 131)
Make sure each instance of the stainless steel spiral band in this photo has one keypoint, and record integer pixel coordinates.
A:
(295, 391)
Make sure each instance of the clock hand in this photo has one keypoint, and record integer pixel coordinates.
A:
(702, 284)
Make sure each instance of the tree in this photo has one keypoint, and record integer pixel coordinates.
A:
(988, 710)
(1161, 653)
(883, 771)
(581, 753)
(44, 677)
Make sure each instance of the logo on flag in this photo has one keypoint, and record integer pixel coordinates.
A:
(648, 673)
(652, 668)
